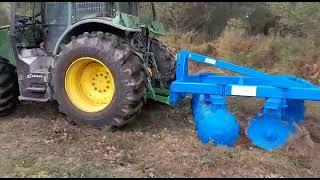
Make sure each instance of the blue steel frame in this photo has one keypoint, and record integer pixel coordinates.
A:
(253, 83)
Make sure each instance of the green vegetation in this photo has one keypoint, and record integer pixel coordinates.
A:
(275, 37)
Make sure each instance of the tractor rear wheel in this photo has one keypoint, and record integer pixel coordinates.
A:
(99, 81)
(165, 61)
(9, 88)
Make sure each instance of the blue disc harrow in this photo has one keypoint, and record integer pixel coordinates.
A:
(269, 129)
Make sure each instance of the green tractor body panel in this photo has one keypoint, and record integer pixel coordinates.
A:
(127, 20)
(6, 50)
(157, 28)
(116, 22)
(135, 22)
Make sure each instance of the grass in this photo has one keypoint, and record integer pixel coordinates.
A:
(161, 143)
(47, 167)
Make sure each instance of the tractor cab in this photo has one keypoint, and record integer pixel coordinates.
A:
(45, 22)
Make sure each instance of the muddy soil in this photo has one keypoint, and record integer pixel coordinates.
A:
(38, 141)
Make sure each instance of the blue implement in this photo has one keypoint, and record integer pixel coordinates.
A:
(284, 105)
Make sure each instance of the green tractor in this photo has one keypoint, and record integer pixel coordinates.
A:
(99, 60)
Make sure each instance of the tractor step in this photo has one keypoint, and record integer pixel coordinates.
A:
(33, 68)
(269, 129)
(37, 89)
(22, 98)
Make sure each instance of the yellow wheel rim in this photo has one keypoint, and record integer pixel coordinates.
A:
(89, 84)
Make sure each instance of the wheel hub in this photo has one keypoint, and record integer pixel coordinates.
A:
(89, 84)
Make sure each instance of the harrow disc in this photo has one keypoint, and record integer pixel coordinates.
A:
(268, 132)
(294, 111)
(199, 105)
(219, 127)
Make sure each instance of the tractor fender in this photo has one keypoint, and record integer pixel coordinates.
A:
(92, 24)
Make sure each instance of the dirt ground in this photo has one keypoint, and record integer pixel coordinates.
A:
(37, 141)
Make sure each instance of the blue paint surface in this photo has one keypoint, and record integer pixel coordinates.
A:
(294, 111)
(284, 106)
(268, 132)
(213, 122)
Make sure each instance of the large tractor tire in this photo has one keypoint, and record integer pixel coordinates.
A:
(99, 81)
(9, 88)
(165, 61)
